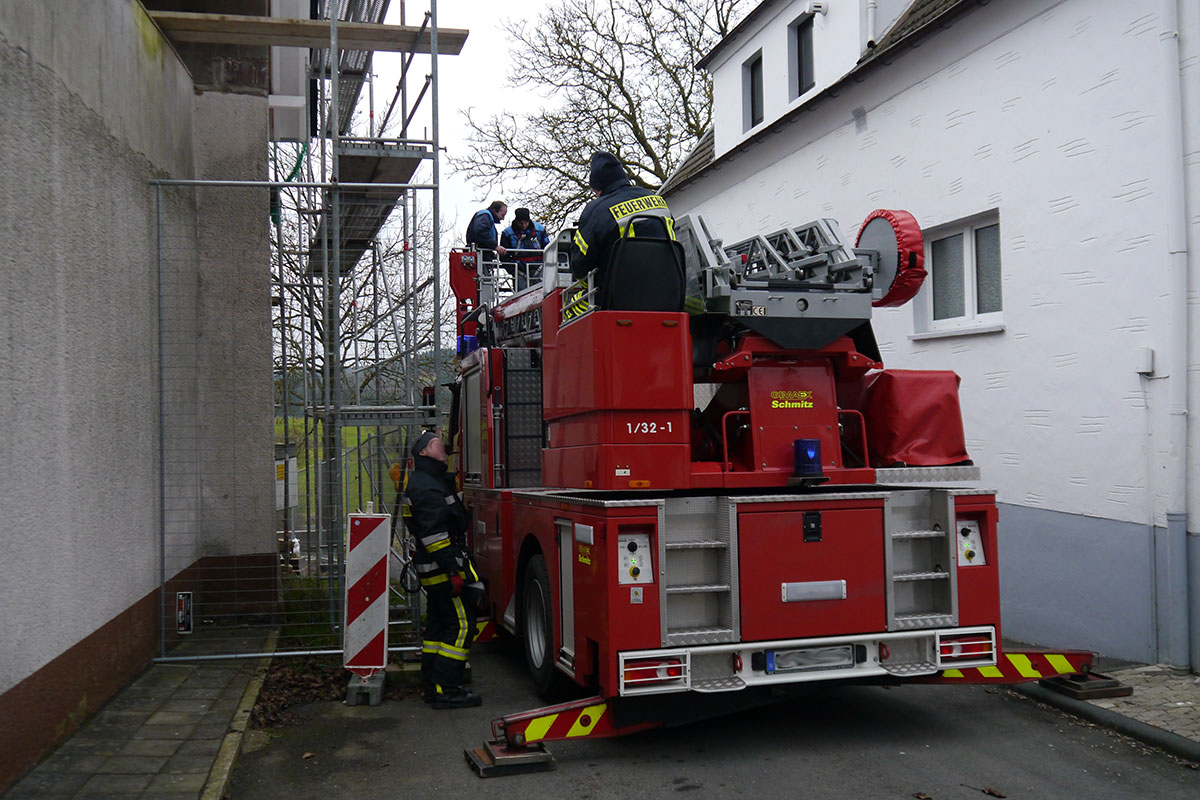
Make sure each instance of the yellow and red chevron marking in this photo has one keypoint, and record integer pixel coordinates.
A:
(485, 630)
(575, 720)
(1020, 666)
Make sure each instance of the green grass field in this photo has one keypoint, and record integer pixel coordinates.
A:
(359, 462)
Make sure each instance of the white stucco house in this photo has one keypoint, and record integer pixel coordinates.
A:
(1051, 151)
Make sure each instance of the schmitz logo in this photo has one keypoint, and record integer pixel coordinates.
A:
(792, 399)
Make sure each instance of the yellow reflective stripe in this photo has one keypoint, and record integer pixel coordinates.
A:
(991, 672)
(461, 639)
(575, 304)
(952, 673)
(671, 228)
(1024, 665)
(436, 579)
(448, 652)
(1061, 664)
(433, 548)
(580, 243)
(592, 714)
(462, 651)
(539, 727)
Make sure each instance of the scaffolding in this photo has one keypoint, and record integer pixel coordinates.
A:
(359, 306)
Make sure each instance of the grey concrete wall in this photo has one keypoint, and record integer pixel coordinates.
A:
(1067, 580)
(234, 318)
(93, 107)
(93, 104)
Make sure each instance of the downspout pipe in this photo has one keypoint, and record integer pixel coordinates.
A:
(872, 10)
(1176, 577)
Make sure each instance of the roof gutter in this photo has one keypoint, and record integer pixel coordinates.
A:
(737, 31)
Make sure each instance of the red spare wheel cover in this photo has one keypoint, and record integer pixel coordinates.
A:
(897, 237)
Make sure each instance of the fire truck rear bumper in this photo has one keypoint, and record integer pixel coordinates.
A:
(951, 655)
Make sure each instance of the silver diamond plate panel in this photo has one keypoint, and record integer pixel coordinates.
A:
(926, 474)
(727, 529)
(918, 621)
(524, 389)
(697, 566)
(912, 668)
(708, 666)
(730, 684)
(692, 611)
(689, 519)
(700, 636)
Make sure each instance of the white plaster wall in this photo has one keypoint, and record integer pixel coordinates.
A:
(837, 45)
(94, 105)
(1010, 109)
(1189, 24)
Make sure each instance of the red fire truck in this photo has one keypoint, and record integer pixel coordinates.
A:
(688, 513)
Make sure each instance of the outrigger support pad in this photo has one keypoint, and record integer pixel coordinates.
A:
(496, 759)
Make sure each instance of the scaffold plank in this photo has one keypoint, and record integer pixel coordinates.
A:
(184, 26)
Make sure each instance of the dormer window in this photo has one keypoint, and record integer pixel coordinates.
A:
(800, 56)
(752, 91)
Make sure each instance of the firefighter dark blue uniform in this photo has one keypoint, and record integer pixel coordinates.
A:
(533, 237)
(482, 230)
(607, 218)
(452, 587)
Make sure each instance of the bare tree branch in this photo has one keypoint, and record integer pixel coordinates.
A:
(621, 76)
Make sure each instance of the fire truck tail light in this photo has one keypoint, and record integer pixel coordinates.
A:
(966, 648)
(647, 671)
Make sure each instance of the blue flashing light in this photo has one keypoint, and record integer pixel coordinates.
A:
(808, 458)
(467, 345)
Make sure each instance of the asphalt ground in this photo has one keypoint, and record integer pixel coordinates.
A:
(832, 741)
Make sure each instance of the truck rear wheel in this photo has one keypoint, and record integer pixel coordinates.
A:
(537, 627)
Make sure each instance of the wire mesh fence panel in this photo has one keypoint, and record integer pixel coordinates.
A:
(256, 478)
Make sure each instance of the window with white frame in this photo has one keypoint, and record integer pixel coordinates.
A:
(963, 290)
(752, 91)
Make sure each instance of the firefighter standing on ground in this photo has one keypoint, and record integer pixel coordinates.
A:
(452, 586)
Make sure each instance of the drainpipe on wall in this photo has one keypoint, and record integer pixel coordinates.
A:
(1173, 580)
(872, 7)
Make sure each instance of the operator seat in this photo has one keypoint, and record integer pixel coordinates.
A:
(644, 273)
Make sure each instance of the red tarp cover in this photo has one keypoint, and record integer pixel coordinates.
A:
(913, 418)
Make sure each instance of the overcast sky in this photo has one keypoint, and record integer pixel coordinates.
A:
(475, 79)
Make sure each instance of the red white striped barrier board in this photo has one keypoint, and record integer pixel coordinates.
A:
(364, 645)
